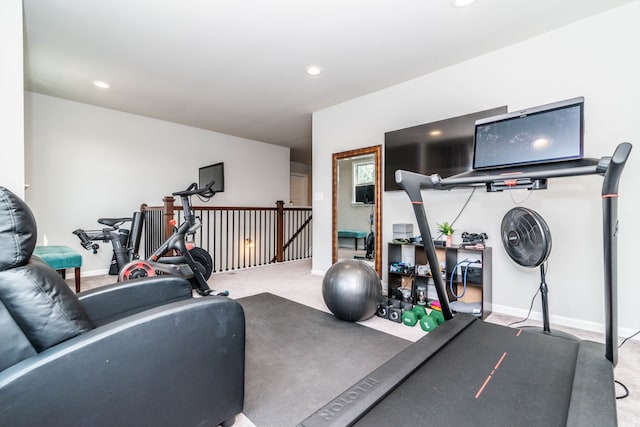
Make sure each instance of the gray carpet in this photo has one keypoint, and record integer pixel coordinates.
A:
(299, 358)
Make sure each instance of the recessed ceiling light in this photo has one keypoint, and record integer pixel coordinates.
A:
(313, 70)
(435, 132)
(462, 3)
(101, 84)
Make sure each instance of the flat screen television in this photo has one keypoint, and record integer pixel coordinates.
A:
(365, 194)
(444, 147)
(547, 133)
(214, 172)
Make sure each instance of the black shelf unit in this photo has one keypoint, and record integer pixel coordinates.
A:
(477, 290)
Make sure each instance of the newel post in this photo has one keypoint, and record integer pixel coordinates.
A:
(280, 231)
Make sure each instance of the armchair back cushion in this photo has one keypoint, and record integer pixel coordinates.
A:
(15, 345)
(18, 232)
(37, 298)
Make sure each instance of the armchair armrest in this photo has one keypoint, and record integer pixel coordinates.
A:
(180, 364)
(110, 302)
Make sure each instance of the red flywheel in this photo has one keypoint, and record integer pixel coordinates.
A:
(136, 270)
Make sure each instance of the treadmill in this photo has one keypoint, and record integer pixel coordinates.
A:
(471, 373)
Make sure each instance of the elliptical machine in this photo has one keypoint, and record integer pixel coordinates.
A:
(190, 262)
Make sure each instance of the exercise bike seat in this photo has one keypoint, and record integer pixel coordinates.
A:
(113, 221)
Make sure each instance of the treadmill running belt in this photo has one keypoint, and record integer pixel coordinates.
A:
(488, 375)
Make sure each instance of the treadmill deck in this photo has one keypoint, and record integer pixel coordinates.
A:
(488, 375)
(468, 373)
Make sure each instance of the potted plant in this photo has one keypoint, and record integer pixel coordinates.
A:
(446, 229)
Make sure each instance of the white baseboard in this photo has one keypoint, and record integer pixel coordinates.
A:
(92, 273)
(585, 325)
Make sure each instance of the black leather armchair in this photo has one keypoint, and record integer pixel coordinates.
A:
(139, 353)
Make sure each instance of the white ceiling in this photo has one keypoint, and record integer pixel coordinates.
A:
(238, 66)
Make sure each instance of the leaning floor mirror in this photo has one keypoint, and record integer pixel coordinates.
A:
(357, 201)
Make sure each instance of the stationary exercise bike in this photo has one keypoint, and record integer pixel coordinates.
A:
(120, 238)
(190, 262)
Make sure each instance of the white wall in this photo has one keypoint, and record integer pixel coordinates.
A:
(11, 98)
(84, 162)
(595, 58)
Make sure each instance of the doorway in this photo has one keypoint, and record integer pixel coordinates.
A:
(298, 189)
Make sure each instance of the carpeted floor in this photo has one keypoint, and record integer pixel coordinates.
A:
(294, 281)
(299, 358)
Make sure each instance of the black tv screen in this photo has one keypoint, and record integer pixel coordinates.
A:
(215, 173)
(364, 194)
(547, 133)
(444, 147)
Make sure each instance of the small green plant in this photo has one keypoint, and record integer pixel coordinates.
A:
(445, 228)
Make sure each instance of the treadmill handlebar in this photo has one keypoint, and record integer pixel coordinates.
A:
(611, 167)
(412, 183)
(614, 169)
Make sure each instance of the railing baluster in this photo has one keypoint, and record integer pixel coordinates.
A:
(243, 239)
(215, 243)
(252, 238)
(271, 240)
(237, 237)
(227, 242)
(262, 239)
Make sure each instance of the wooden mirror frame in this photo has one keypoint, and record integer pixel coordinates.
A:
(377, 152)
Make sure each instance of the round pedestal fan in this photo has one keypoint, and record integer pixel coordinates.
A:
(527, 240)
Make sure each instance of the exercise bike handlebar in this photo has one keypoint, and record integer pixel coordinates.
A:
(87, 237)
(193, 189)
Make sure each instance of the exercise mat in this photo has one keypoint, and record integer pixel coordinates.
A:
(298, 358)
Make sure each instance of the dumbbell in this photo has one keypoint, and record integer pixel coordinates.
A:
(384, 307)
(395, 310)
(437, 316)
(430, 322)
(411, 317)
(395, 314)
(383, 310)
(406, 305)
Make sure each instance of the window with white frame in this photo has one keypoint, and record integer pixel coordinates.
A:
(364, 173)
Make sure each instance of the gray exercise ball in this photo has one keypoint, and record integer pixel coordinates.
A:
(352, 290)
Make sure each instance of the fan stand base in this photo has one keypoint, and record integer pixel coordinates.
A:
(545, 329)
(557, 334)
